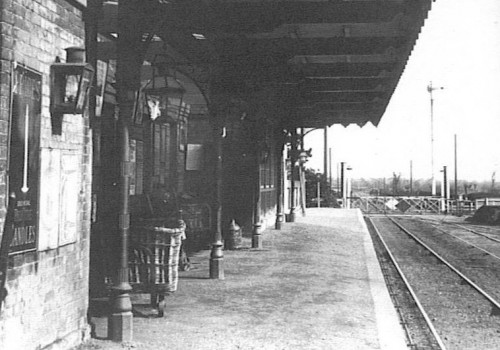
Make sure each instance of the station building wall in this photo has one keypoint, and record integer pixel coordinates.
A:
(47, 278)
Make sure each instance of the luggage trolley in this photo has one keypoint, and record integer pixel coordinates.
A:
(154, 258)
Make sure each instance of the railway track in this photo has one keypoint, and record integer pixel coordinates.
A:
(451, 292)
(491, 233)
(419, 330)
(473, 254)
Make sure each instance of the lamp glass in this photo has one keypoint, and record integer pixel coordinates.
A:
(70, 83)
(71, 88)
(83, 87)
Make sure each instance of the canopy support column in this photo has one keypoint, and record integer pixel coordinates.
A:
(217, 254)
(293, 159)
(128, 65)
(279, 188)
(257, 225)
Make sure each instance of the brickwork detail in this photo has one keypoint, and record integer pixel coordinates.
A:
(48, 290)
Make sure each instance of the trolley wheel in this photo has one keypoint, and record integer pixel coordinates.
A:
(154, 300)
(162, 305)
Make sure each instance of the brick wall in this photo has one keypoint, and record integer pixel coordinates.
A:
(48, 289)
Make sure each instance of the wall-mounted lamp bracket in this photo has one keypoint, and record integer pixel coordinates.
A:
(69, 88)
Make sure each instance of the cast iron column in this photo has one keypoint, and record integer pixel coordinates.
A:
(279, 189)
(293, 159)
(120, 320)
(257, 225)
(217, 255)
(325, 152)
(128, 65)
(302, 174)
(342, 185)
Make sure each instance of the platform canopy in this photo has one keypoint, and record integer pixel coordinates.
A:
(337, 61)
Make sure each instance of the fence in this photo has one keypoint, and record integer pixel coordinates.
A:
(486, 201)
(415, 205)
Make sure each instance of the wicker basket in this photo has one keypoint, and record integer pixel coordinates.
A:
(154, 257)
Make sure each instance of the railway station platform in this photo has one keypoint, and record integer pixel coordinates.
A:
(316, 284)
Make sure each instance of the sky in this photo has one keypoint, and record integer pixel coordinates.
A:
(458, 49)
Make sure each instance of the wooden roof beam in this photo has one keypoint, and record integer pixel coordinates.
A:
(391, 56)
(384, 74)
(245, 17)
(355, 96)
(343, 84)
(375, 104)
(395, 28)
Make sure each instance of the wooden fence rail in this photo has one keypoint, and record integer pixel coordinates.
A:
(416, 205)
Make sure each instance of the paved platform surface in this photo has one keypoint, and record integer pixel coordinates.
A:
(316, 284)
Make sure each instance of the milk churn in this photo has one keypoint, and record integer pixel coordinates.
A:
(233, 238)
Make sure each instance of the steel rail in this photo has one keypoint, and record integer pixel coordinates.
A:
(477, 233)
(454, 269)
(467, 242)
(410, 289)
(485, 235)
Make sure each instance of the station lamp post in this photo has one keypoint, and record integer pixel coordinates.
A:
(345, 179)
(445, 189)
(430, 89)
(348, 187)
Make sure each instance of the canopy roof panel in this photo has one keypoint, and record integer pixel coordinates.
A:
(339, 61)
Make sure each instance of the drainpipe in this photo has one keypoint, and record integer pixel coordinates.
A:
(96, 275)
